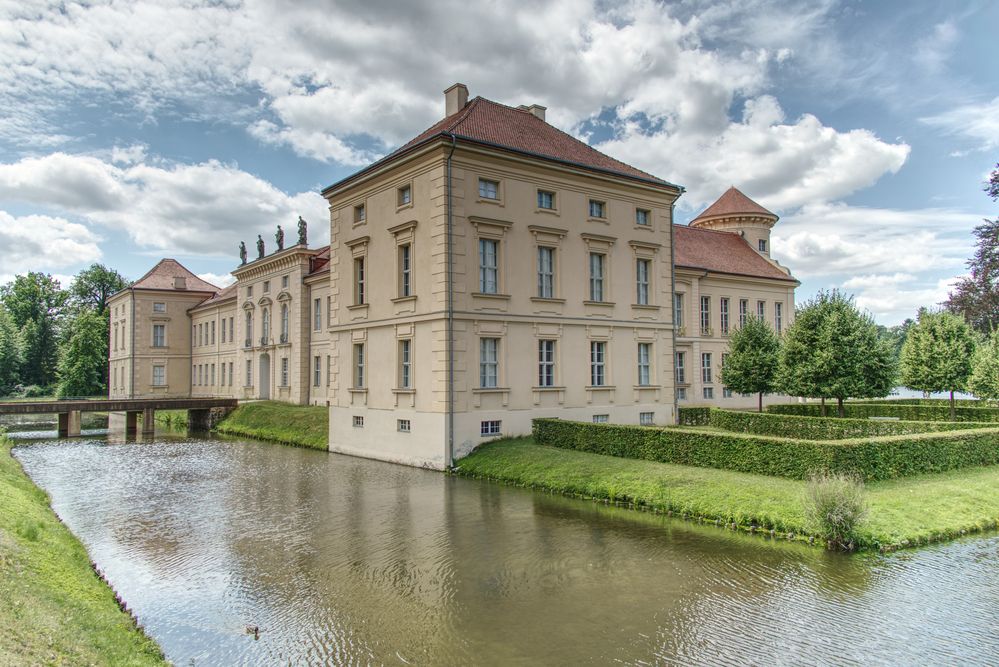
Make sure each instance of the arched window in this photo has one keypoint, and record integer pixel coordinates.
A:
(266, 321)
(284, 323)
(249, 328)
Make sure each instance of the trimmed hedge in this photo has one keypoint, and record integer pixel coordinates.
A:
(967, 402)
(886, 457)
(825, 428)
(907, 412)
(695, 416)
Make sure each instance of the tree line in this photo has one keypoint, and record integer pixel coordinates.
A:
(55, 340)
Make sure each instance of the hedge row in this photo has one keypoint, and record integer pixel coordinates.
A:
(872, 458)
(967, 402)
(695, 416)
(825, 428)
(907, 412)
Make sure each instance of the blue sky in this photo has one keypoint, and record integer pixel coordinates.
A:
(134, 131)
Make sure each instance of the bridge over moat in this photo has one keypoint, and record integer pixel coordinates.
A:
(70, 411)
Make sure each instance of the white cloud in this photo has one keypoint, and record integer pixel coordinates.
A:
(892, 302)
(976, 122)
(195, 208)
(32, 241)
(217, 279)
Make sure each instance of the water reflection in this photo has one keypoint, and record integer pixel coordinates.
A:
(341, 560)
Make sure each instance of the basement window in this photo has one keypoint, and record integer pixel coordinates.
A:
(601, 419)
(403, 425)
(358, 421)
(491, 427)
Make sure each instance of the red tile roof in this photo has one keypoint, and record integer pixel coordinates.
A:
(722, 252)
(320, 261)
(487, 122)
(227, 293)
(163, 274)
(733, 202)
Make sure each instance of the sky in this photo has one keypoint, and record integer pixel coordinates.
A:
(132, 131)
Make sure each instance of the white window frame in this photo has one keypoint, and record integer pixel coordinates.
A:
(358, 374)
(643, 271)
(360, 268)
(489, 263)
(406, 363)
(705, 315)
(723, 314)
(646, 418)
(598, 363)
(490, 427)
(597, 209)
(317, 314)
(678, 310)
(161, 380)
(546, 272)
(489, 189)
(546, 363)
(284, 372)
(159, 307)
(680, 367)
(405, 269)
(159, 340)
(403, 425)
(489, 363)
(743, 312)
(644, 353)
(706, 367)
(317, 370)
(546, 197)
(598, 273)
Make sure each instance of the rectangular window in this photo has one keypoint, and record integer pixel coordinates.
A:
(646, 418)
(546, 363)
(597, 261)
(761, 309)
(546, 200)
(329, 310)
(642, 281)
(601, 419)
(762, 245)
(743, 311)
(726, 392)
(284, 282)
(159, 376)
(681, 393)
(679, 359)
(249, 373)
(598, 363)
(223, 329)
(678, 310)
(211, 382)
(723, 322)
(642, 217)
(359, 214)
(232, 330)
(491, 427)
(778, 316)
(403, 425)
(706, 367)
(358, 421)
(328, 367)
(284, 371)
(358, 281)
(317, 314)
(159, 307)
(405, 195)
(213, 332)
(405, 270)
(644, 364)
(230, 373)
(708, 392)
(159, 335)
(358, 365)
(597, 209)
(267, 286)
(249, 291)
(488, 266)
(488, 362)
(200, 381)
(317, 370)
(546, 273)
(488, 189)
(705, 315)
(405, 364)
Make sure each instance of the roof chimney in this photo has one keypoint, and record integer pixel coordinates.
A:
(180, 282)
(537, 110)
(455, 99)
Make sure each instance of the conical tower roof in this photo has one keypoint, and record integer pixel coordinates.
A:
(733, 204)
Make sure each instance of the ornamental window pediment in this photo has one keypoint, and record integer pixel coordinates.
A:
(284, 296)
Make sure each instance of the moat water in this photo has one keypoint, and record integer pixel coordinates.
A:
(339, 560)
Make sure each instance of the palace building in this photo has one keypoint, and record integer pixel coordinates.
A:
(490, 271)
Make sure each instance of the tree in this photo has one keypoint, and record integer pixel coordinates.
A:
(984, 380)
(938, 354)
(83, 357)
(10, 353)
(751, 364)
(93, 286)
(992, 187)
(976, 297)
(35, 303)
(799, 369)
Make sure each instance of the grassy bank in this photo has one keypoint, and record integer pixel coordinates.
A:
(903, 512)
(300, 425)
(53, 607)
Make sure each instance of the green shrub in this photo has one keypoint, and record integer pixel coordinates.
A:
(834, 507)
(695, 416)
(825, 428)
(910, 412)
(886, 457)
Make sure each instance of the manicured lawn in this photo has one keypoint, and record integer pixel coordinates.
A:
(53, 607)
(902, 512)
(301, 425)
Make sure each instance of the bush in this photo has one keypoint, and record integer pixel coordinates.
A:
(825, 428)
(835, 506)
(695, 416)
(886, 457)
(908, 411)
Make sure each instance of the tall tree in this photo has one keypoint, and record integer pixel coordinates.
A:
(83, 357)
(937, 355)
(976, 297)
(984, 380)
(10, 353)
(801, 370)
(751, 364)
(93, 286)
(992, 187)
(35, 302)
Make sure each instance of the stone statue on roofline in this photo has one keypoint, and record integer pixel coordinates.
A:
(279, 238)
(242, 252)
(303, 231)
(260, 247)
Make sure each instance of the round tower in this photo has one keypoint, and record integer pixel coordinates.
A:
(735, 212)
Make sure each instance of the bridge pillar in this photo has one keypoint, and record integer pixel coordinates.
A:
(199, 420)
(131, 422)
(148, 421)
(69, 424)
